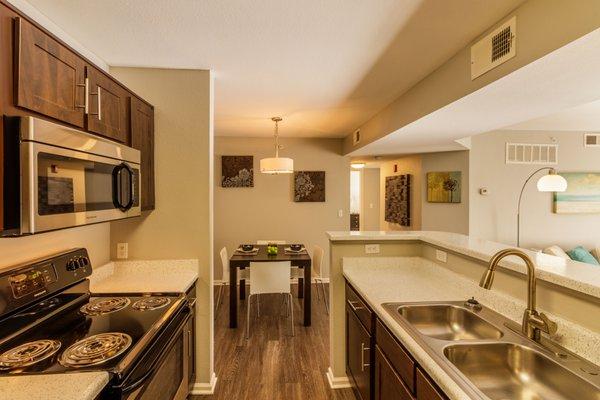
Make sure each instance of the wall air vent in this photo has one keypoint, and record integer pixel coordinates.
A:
(494, 49)
(591, 140)
(356, 137)
(531, 153)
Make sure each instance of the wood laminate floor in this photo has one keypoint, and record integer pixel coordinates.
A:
(273, 365)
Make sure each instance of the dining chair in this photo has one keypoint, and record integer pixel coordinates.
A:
(317, 262)
(265, 242)
(242, 274)
(270, 277)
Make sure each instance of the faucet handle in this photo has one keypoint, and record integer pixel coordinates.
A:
(550, 326)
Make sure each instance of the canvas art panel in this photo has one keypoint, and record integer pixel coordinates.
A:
(309, 186)
(397, 199)
(237, 171)
(444, 187)
(582, 195)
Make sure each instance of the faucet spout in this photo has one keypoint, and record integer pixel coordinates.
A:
(533, 324)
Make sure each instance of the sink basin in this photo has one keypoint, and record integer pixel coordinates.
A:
(504, 371)
(448, 322)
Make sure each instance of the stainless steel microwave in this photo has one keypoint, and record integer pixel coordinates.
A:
(56, 177)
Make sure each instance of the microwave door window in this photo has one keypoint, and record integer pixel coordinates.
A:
(68, 185)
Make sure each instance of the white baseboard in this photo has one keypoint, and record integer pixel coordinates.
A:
(205, 388)
(340, 382)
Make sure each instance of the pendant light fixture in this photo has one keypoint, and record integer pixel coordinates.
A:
(277, 165)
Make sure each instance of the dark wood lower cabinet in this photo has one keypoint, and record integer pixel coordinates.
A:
(377, 363)
(388, 384)
(358, 355)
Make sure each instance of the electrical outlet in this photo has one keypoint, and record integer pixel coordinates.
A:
(122, 250)
(441, 255)
(371, 248)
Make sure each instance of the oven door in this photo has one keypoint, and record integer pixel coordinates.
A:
(63, 188)
(162, 373)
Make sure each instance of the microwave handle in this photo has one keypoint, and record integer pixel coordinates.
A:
(117, 177)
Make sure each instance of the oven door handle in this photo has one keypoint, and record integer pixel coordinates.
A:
(158, 361)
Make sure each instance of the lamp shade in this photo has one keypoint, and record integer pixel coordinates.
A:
(277, 165)
(552, 183)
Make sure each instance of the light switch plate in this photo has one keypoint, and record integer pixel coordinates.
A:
(122, 250)
(371, 248)
(441, 256)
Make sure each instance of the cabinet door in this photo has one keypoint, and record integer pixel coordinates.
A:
(108, 107)
(50, 79)
(388, 385)
(142, 138)
(191, 356)
(358, 355)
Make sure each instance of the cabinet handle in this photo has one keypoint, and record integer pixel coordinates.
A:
(190, 343)
(99, 94)
(354, 308)
(362, 357)
(86, 96)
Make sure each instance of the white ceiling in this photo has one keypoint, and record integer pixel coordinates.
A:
(561, 80)
(325, 66)
(584, 118)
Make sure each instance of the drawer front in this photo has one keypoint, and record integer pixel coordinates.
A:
(403, 363)
(426, 390)
(360, 308)
(388, 384)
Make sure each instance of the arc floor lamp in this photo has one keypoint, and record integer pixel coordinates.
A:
(552, 182)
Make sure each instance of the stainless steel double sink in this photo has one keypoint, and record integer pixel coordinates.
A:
(484, 353)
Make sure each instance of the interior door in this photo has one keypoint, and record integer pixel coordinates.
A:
(358, 343)
(108, 107)
(142, 138)
(50, 78)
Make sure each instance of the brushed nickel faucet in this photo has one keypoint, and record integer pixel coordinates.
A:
(533, 322)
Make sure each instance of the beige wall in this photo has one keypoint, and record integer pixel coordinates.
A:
(405, 165)
(542, 25)
(370, 202)
(494, 216)
(267, 210)
(93, 237)
(429, 216)
(181, 225)
(448, 217)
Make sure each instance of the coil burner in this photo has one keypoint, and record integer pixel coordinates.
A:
(104, 306)
(151, 303)
(28, 354)
(95, 350)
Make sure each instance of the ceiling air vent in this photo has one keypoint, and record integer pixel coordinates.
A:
(531, 153)
(494, 49)
(592, 140)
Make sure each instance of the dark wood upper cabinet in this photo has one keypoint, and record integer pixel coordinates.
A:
(142, 138)
(50, 78)
(108, 107)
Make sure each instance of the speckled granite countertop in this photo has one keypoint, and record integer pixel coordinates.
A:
(574, 275)
(407, 279)
(152, 276)
(79, 386)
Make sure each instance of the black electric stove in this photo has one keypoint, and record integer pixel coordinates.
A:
(51, 323)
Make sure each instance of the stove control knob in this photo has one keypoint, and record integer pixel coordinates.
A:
(84, 261)
(72, 265)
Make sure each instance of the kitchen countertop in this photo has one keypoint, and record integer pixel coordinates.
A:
(76, 386)
(577, 276)
(152, 276)
(409, 279)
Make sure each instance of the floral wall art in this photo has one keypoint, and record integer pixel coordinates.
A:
(444, 187)
(309, 186)
(237, 171)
